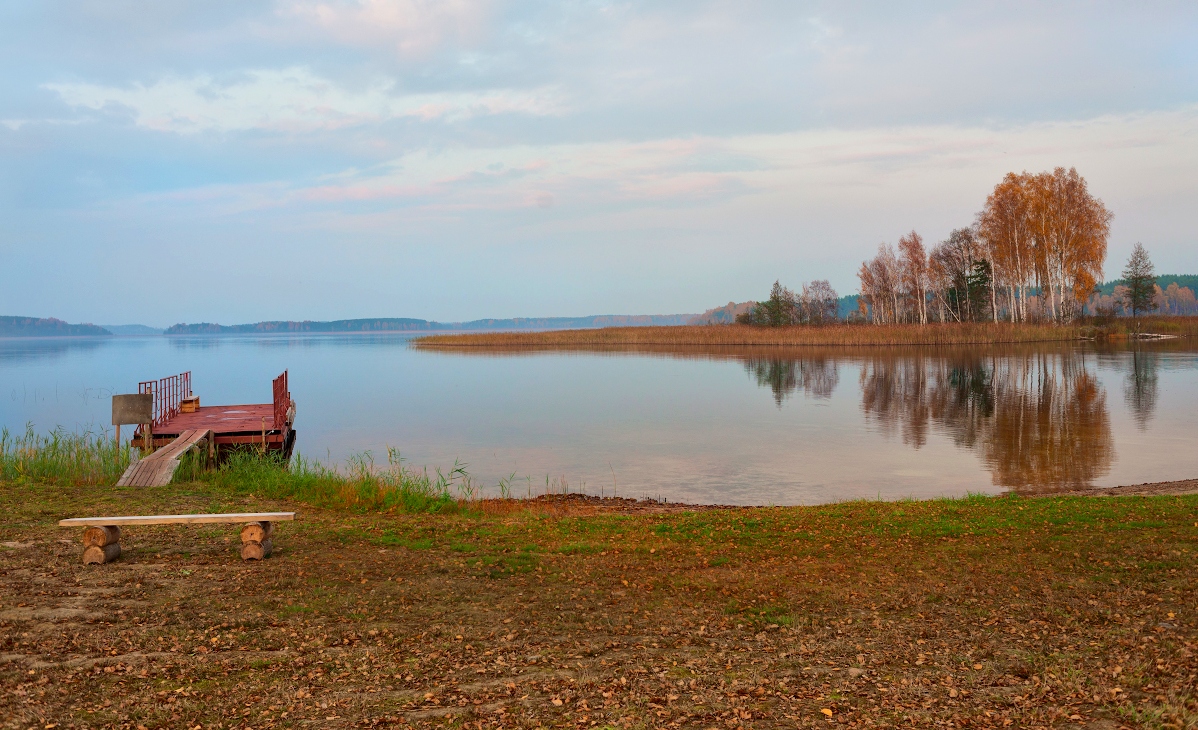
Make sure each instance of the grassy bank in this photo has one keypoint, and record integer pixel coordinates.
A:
(360, 485)
(982, 612)
(94, 459)
(856, 335)
(61, 457)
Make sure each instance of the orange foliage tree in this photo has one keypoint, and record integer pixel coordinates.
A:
(1042, 231)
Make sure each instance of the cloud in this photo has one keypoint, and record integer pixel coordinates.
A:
(293, 100)
(886, 178)
(411, 27)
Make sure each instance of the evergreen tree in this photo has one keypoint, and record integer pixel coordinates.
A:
(781, 309)
(1140, 278)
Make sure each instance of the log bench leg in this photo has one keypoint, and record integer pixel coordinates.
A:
(255, 540)
(101, 544)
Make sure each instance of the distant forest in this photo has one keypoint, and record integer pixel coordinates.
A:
(47, 327)
(1188, 281)
(399, 324)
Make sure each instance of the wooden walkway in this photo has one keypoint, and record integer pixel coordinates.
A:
(157, 469)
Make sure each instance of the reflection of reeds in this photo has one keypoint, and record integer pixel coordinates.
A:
(743, 335)
(61, 458)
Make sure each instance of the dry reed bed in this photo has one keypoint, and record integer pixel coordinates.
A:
(841, 335)
(744, 335)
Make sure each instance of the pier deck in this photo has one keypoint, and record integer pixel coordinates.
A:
(266, 425)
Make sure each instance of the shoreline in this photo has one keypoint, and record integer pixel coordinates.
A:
(578, 504)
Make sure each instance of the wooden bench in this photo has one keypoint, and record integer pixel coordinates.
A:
(101, 539)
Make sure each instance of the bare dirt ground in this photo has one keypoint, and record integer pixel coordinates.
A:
(981, 613)
(585, 504)
(1185, 486)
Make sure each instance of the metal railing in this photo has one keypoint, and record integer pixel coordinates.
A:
(168, 393)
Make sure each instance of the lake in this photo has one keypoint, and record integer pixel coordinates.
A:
(728, 426)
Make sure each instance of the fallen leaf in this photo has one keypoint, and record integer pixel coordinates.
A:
(556, 702)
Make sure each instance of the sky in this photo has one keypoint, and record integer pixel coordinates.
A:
(458, 159)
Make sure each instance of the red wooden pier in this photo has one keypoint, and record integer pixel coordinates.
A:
(268, 426)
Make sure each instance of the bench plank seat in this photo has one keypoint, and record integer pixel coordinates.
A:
(232, 518)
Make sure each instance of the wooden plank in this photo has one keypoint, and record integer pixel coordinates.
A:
(157, 469)
(230, 518)
(181, 445)
(159, 473)
(128, 475)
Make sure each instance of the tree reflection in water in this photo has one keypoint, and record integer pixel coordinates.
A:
(817, 377)
(1140, 386)
(1039, 421)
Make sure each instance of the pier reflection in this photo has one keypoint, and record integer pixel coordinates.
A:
(1038, 420)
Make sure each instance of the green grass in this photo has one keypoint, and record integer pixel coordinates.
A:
(61, 458)
(360, 486)
(94, 459)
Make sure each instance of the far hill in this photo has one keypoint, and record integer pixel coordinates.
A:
(132, 329)
(47, 327)
(390, 324)
(401, 324)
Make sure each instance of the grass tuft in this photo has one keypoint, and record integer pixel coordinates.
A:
(61, 458)
(361, 487)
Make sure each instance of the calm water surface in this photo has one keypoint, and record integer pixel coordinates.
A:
(731, 426)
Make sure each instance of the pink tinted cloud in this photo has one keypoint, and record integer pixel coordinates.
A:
(410, 27)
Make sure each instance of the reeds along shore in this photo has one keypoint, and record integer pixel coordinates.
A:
(851, 335)
(360, 485)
